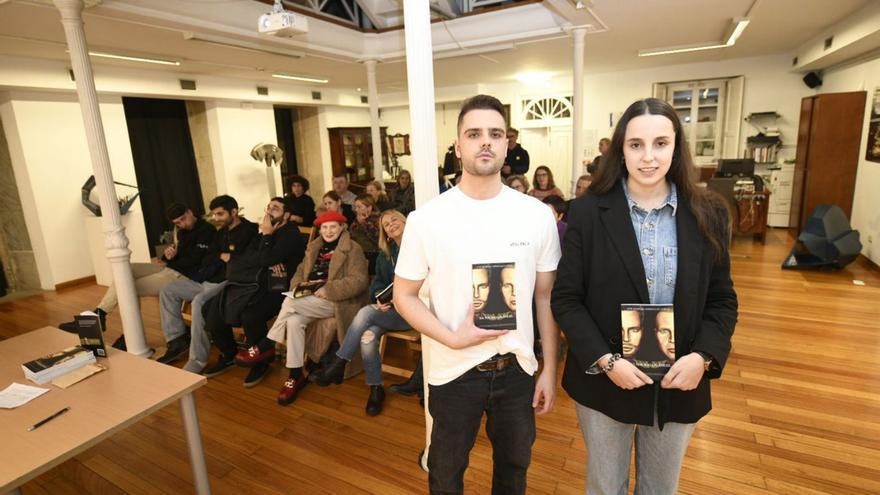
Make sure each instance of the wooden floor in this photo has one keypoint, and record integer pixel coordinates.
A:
(796, 412)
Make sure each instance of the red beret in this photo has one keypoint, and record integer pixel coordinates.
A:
(331, 216)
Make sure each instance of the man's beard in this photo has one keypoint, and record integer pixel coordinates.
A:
(483, 168)
(275, 220)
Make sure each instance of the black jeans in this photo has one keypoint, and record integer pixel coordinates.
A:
(253, 319)
(457, 408)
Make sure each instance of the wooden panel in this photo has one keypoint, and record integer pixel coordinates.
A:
(834, 150)
(800, 166)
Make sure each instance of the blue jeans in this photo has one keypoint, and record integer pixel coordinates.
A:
(659, 454)
(457, 408)
(378, 322)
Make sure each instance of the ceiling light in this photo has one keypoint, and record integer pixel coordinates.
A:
(580, 5)
(148, 60)
(302, 78)
(680, 49)
(241, 44)
(737, 26)
(740, 24)
(534, 78)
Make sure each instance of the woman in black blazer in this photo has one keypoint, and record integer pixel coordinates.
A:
(645, 233)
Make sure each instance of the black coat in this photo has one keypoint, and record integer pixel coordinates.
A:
(601, 268)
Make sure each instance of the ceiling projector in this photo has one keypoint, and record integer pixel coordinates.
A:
(283, 24)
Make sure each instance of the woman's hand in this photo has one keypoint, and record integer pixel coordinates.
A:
(685, 373)
(321, 293)
(625, 375)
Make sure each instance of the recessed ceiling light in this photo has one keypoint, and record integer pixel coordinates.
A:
(302, 78)
(737, 26)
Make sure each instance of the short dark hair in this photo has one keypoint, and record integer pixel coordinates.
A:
(481, 102)
(298, 179)
(511, 129)
(560, 206)
(287, 204)
(175, 210)
(332, 195)
(224, 201)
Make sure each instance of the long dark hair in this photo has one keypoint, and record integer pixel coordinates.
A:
(550, 182)
(712, 214)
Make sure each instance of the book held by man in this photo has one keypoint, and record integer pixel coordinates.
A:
(494, 295)
(47, 368)
(648, 337)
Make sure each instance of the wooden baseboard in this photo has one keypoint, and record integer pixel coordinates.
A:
(76, 282)
(868, 263)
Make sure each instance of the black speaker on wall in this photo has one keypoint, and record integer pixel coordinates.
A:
(812, 80)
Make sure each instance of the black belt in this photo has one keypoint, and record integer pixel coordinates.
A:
(496, 363)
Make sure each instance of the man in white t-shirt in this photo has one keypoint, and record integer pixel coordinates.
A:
(470, 370)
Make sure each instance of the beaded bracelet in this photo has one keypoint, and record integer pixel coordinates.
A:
(610, 365)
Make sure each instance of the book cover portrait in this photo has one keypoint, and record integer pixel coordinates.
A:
(648, 337)
(494, 295)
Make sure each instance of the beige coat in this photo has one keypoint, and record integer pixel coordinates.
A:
(347, 280)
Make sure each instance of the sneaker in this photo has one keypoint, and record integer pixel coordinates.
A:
(291, 389)
(223, 364)
(175, 350)
(120, 343)
(256, 375)
(252, 356)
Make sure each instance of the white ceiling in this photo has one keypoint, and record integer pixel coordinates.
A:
(32, 29)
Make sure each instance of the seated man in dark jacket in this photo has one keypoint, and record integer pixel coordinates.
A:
(255, 282)
(192, 237)
(235, 234)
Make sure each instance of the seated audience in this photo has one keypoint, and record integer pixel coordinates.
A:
(340, 187)
(560, 209)
(233, 238)
(544, 184)
(333, 202)
(442, 183)
(365, 229)
(180, 261)
(302, 206)
(583, 183)
(593, 167)
(376, 189)
(334, 271)
(403, 199)
(372, 321)
(519, 183)
(256, 280)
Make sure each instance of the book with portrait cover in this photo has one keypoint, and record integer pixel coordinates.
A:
(494, 295)
(648, 337)
(91, 335)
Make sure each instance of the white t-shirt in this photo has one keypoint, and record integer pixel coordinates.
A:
(452, 232)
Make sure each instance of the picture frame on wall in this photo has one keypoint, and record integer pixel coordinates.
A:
(399, 144)
(872, 150)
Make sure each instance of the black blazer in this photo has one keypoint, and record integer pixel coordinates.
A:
(601, 268)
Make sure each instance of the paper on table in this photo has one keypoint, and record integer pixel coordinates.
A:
(78, 375)
(18, 394)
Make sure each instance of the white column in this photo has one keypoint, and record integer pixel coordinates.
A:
(423, 135)
(114, 240)
(375, 134)
(420, 79)
(577, 127)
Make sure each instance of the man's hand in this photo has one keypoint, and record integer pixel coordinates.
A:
(225, 257)
(685, 373)
(545, 392)
(468, 334)
(296, 218)
(382, 307)
(625, 375)
(277, 270)
(267, 227)
(171, 252)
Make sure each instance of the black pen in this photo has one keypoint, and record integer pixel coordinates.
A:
(50, 418)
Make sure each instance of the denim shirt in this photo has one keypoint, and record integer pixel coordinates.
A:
(656, 234)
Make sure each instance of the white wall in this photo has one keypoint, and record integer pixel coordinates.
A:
(234, 129)
(866, 201)
(446, 118)
(51, 161)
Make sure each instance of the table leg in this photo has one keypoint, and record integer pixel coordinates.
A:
(194, 442)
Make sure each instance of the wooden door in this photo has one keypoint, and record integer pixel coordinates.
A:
(832, 157)
(800, 167)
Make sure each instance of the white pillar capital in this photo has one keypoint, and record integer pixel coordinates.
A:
(577, 150)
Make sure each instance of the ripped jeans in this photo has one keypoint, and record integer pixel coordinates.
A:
(365, 332)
